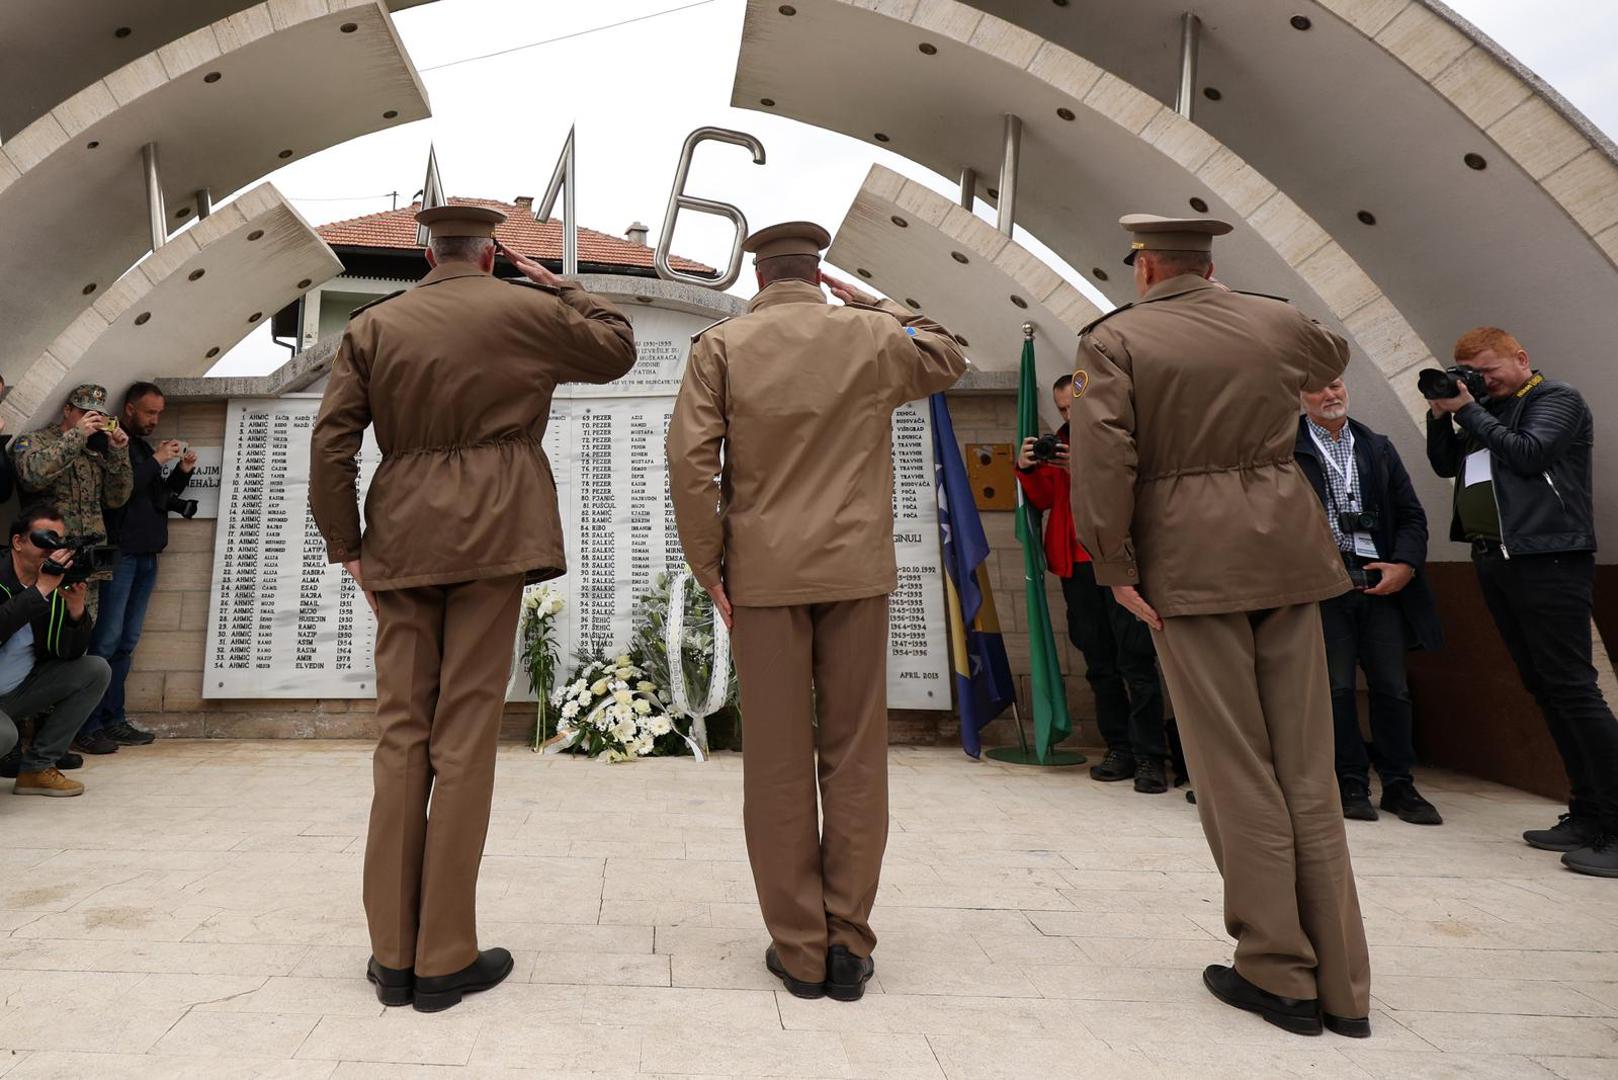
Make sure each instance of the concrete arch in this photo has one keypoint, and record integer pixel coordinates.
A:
(292, 79)
(46, 58)
(178, 311)
(1094, 147)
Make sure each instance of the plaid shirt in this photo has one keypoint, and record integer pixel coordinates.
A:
(1342, 478)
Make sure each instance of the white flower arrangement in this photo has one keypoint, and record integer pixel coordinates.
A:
(540, 606)
(610, 710)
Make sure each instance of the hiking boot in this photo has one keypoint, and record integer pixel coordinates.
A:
(796, 987)
(51, 782)
(11, 763)
(1570, 833)
(68, 761)
(1299, 1016)
(1117, 765)
(847, 974)
(435, 993)
(1356, 801)
(96, 742)
(1149, 779)
(1403, 800)
(1600, 859)
(126, 734)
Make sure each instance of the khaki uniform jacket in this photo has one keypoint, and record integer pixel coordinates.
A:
(794, 402)
(1184, 483)
(456, 375)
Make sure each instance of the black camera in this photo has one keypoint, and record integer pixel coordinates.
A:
(1362, 578)
(91, 557)
(1045, 448)
(186, 508)
(1440, 385)
(1353, 521)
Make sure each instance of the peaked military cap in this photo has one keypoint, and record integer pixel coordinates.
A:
(89, 397)
(1151, 232)
(788, 238)
(442, 221)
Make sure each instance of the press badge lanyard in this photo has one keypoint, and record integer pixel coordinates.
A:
(1364, 545)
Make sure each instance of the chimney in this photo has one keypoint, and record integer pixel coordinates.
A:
(525, 202)
(637, 233)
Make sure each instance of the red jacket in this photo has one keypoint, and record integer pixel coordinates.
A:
(1046, 487)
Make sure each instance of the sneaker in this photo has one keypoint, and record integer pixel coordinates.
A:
(1356, 801)
(1600, 859)
(1570, 833)
(126, 734)
(51, 782)
(1149, 779)
(1117, 765)
(11, 763)
(95, 743)
(69, 761)
(1402, 799)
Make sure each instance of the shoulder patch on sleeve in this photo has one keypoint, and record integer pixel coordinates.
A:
(374, 303)
(711, 326)
(21, 443)
(1104, 318)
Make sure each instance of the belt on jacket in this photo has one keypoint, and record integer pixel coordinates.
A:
(453, 448)
(1246, 466)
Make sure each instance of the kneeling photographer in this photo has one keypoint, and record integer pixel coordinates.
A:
(44, 633)
(140, 530)
(1521, 460)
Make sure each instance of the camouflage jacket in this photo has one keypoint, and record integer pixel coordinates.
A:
(58, 466)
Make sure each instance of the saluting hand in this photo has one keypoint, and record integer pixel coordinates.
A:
(1130, 597)
(528, 268)
(847, 293)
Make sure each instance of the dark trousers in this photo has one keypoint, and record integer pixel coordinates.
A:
(1369, 632)
(1120, 664)
(1542, 605)
(58, 695)
(117, 631)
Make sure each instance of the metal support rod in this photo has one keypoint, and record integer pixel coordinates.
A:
(1009, 166)
(155, 209)
(1022, 740)
(969, 188)
(563, 179)
(1190, 44)
(204, 203)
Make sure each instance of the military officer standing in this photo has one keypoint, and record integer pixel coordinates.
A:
(80, 464)
(792, 405)
(456, 376)
(1199, 518)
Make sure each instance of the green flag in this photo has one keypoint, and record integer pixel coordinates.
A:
(1051, 722)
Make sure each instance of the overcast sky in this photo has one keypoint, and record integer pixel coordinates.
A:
(637, 90)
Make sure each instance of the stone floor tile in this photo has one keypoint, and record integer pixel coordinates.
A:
(540, 1043)
(890, 1057)
(1095, 982)
(1432, 1065)
(90, 1030)
(927, 1015)
(292, 995)
(194, 958)
(967, 977)
(1077, 1056)
(600, 969)
(1525, 996)
(1317, 1059)
(65, 989)
(1604, 992)
(808, 1054)
(403, 1036)
(733, 971)
(218, 1034)
(54, 1065)
(1577, 1068)
(1091, 925)
(1482, 1033)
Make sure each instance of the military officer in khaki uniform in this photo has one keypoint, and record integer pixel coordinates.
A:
(1200, 520)
(792, 405)
(456, 376)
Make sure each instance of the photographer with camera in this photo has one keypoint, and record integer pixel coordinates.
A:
(1381, 533)
(45, 673)
(140, 530)
(79, 465)
(1521, 460)
(1120, 661)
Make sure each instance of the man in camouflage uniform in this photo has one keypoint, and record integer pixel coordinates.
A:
(80, 464)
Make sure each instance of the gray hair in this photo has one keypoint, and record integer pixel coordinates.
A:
(1175, 263)
(460, 248)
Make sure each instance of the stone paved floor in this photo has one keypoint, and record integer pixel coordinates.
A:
(197, 915)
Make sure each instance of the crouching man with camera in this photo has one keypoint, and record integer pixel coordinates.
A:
(44, 632)
(1381, 533)
(1521, 460)
(140, 531)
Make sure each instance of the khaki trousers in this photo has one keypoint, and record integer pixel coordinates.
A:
(797, 665)
(1254, 706)
(443, 656)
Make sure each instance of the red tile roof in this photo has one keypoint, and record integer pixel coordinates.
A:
(522, 233)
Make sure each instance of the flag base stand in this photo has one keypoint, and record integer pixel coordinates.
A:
(1023, 754)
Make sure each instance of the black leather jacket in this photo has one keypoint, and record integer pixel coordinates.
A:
(1540, 458)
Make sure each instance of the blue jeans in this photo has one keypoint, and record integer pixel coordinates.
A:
(122, 610)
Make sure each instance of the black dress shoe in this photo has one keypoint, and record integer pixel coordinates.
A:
(1346, 1026)
(1299, 1016)
(1149, 779)
(1191, 796)
(847, 974)
(1356, 802)
(795, 987)
(68, 761)
(11, 764)
(1117, 765)
(1403, 800)
(95, 743)
(394, 986)
(1570, 833)
(435, 993)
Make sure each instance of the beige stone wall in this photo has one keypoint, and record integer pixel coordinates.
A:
(165, 682)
